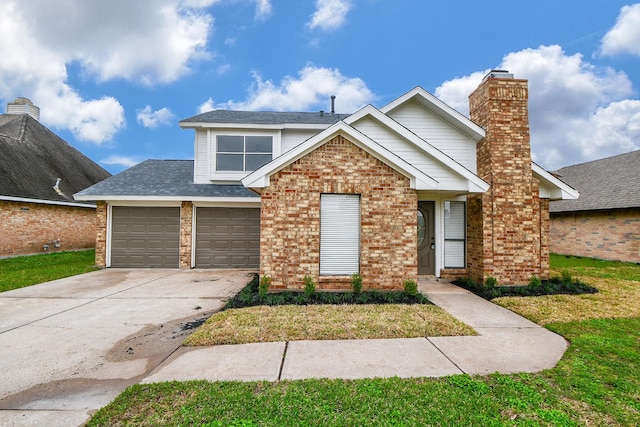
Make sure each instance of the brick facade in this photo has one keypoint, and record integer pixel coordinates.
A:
(612, 235)
(290, 219)
(507, 225)
(27, 227)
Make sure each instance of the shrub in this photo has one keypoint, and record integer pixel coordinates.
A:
(490, 282)
(356, 283)
(534, 282)
(309, 285)
(410, 288)
(263, 288)
(566, 277)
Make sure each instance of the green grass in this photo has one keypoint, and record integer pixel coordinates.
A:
(30, 270)
(596, 268)
(596, 383)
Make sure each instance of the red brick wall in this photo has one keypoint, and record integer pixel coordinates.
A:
(290, 219)
(26, 227)
(612, 235)
(507, 223)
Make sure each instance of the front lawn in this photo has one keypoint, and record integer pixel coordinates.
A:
(30, 270)
(596, 383)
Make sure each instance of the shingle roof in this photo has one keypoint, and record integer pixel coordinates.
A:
(32, 158)
(161, 178)
(264, 117)
(611, 183)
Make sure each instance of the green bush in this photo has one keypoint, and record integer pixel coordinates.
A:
(490, 282)
(309, 285)
(566, 277)
(410, 288)
(263, 288)
(534, 282)
(356, 283)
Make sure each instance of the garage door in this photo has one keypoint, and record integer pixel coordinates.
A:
(145, 237)
(227, 237)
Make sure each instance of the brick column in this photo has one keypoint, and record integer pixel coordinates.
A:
(101, 234)
(186, 234)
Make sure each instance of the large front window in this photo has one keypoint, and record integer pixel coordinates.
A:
(242, 153)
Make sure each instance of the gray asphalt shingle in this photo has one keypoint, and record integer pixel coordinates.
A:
(32, 158)
(611, 183)
(264, 117)
(163, 178)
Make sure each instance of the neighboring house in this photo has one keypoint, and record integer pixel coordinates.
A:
(605, 221)
(413, 188)
(39, 173)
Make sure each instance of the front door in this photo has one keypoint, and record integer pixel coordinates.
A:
(426, 240)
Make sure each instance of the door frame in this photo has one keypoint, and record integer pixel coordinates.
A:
(430, 238)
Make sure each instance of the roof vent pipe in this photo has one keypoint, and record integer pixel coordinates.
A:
(333, 104)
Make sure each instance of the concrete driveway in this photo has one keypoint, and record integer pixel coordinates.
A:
(68, 347)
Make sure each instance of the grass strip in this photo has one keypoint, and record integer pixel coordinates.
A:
(30, 270)
(326, 322)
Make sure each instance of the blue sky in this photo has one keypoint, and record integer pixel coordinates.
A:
(114, 78)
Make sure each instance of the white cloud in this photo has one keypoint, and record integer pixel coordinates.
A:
(572, 104)
(329, 14)
(311, 90)
(148, 41)
(263, 9)
(207, 105)
(125, 161)
(624, 37)
(152, 119)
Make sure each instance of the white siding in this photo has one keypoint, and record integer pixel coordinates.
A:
(447, 179)
(437, 132)
(293, 137)
(339, 234)
(201, 158)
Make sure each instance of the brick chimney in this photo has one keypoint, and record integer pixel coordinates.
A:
(508, 226)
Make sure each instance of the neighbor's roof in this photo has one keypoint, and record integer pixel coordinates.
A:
(262, 118)
(160, 180)
(611, 183)
(32, 158)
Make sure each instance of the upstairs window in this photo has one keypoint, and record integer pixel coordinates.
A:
(242, 153)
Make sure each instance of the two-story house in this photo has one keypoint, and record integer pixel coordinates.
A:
(412, 188)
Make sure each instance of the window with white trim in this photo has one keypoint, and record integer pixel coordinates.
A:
(454, 234)
(339, 234)
(242, 153)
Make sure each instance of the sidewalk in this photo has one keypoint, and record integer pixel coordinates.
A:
(507, 343)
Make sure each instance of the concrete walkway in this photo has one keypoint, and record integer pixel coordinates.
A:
(507, 343)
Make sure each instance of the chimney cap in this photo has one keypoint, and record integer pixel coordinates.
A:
(498, 74)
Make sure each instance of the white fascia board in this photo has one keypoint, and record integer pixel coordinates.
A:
(558, 190)
(241, 126)
(49, 202)
(172, 199)
(451, 115)
(476, 184)
(419, 180)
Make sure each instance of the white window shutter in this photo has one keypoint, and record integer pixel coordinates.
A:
(339, 234)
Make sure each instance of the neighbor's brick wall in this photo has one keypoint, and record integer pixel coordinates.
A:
(101, 234)
(26, 227)
(186, 235)
(506, 224)
(290, 219)
(612, 235)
